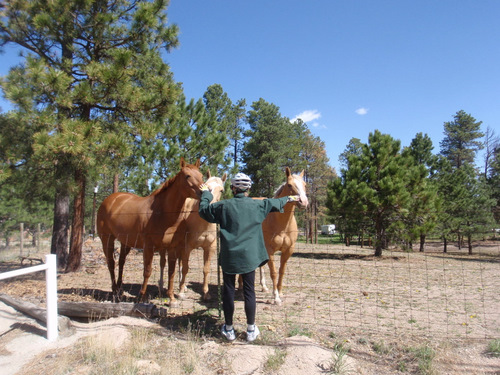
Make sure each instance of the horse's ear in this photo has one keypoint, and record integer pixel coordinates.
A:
(198, 163)
(288, 172)
(183, 162)
(224, 178)
(208, 174)
(302, 173)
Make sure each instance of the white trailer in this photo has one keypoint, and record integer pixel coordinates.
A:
(328, 229)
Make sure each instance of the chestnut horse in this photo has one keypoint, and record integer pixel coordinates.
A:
(198, 233)
(280, 230)
(149, 223)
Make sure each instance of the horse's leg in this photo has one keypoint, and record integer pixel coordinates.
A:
(147, 256)
(184, 269)
(285, 255)
(124, 250)
(274, 279)
(172, 260)
(263, 280)
(240, 283)
(162, 271)
(108, 247)
(207, 256)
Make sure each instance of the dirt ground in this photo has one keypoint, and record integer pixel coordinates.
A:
(335, 298)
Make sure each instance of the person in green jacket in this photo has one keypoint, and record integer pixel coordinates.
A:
(242, 244)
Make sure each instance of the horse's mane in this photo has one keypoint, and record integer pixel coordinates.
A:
(282, 186)
(165, 185)
(279, 190)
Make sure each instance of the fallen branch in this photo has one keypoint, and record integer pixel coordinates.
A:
(104, 310)
(34, 311)
(89, 310)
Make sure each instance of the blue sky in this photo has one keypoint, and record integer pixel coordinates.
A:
(346, 67)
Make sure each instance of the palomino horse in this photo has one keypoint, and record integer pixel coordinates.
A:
(198, 233)
(147, 223)
(280, 230)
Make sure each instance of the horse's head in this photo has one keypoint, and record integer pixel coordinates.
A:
(295, 185)
(216, 185)
(191, 176)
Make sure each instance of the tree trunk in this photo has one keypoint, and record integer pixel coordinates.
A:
(422, 243)
(445, 242)
(379, 238)
(59, 244)
(310, 235)
(77, 227)
(469, 243)
(116, 181)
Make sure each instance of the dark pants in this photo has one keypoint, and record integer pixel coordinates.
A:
(249, 296)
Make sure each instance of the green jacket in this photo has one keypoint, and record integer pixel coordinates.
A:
(240, 218)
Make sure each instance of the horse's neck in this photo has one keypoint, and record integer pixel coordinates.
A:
(289, 209)
(193, 219)
(171, 200)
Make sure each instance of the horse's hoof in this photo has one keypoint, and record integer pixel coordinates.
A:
(182, 296)
(265, 289)
(142, 298)
(174, 303)
(207, 297)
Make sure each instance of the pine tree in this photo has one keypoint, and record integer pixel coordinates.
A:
(318, 173)
(374, 188)
(93, 78)
(229, 118)
(424, 204)
(461, 143)
(273, 144)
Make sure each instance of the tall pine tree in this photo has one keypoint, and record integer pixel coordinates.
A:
(92, 79)
(273, 144)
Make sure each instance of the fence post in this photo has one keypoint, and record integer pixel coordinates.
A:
(38, 237)
(51, 280)
(21, 240)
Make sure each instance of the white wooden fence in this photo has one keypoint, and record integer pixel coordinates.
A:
(50, 269)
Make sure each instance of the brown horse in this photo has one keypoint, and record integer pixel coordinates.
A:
(280, 230)
(149, 223)
(198, 233)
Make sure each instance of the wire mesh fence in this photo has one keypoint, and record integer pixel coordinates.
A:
(333, 288)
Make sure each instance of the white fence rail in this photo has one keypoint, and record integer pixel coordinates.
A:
(50, 269)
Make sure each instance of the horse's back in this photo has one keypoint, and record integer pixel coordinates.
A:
(121, 215)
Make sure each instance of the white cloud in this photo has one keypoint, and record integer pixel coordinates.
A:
(362, 111)
(308, 116)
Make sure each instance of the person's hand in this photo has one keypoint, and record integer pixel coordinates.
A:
(293, 198)
(204, 187)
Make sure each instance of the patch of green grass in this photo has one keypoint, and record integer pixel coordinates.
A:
(380, 347)
(275, 360)
(338, 365)
(424, 355)
(299, 331)
(494, 348)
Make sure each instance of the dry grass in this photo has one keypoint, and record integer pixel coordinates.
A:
(407, 311)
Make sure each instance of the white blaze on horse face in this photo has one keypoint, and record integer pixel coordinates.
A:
(299, 183)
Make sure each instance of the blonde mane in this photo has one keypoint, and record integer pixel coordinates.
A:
(279, 190)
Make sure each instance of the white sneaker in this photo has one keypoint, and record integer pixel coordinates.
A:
(252, 335)
(228, 334)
